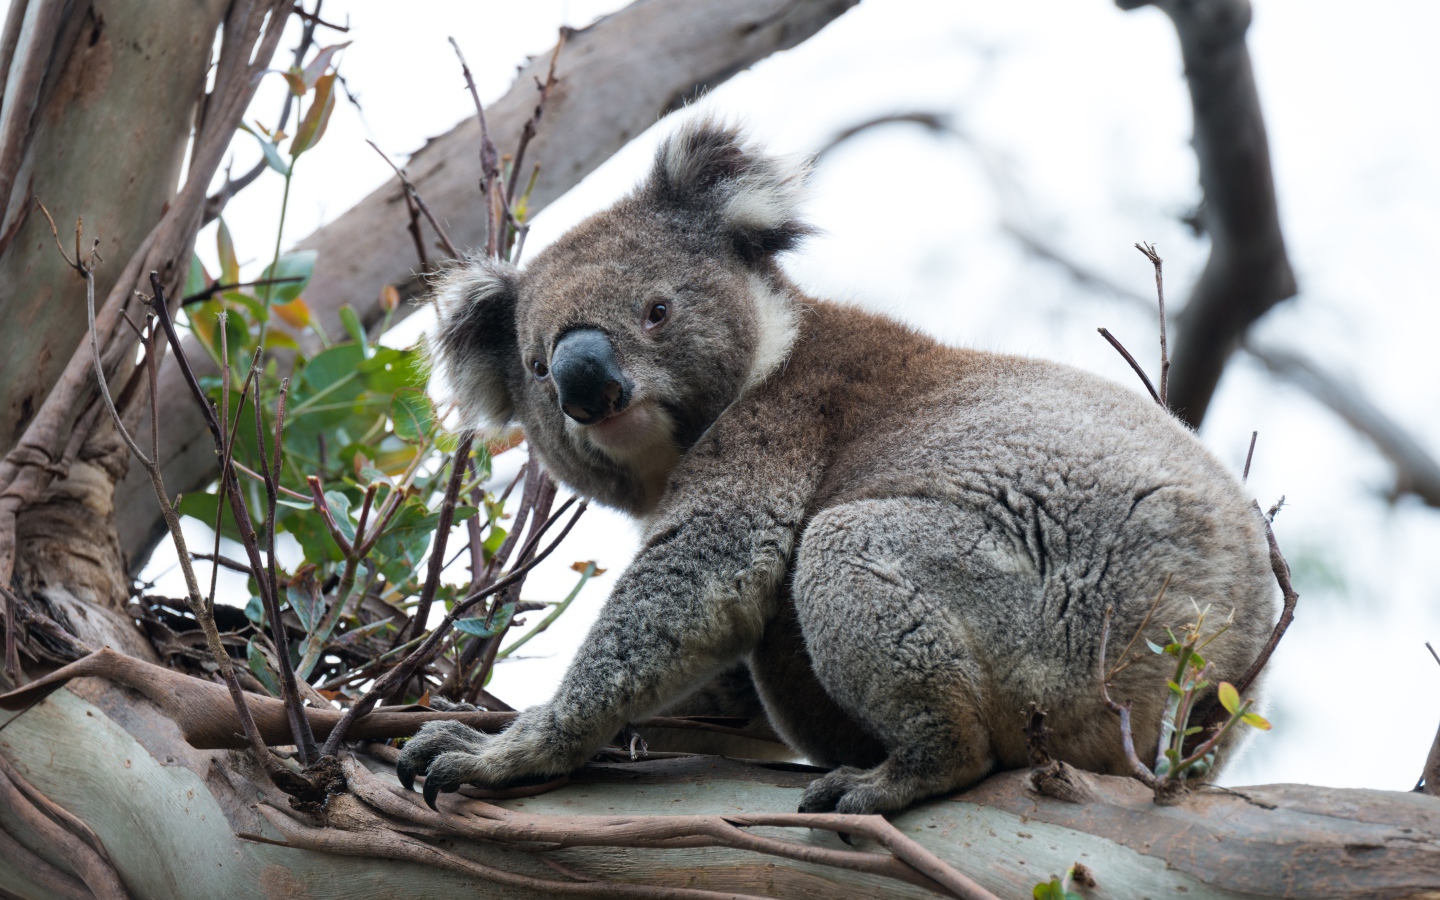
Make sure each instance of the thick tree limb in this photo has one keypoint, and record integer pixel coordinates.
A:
(1273, 841)
(27, 470)
(615, 79)
(1248, 271)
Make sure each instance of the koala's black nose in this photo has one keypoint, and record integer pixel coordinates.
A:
(591, 383)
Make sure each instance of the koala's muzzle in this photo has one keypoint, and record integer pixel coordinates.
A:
(591, 384)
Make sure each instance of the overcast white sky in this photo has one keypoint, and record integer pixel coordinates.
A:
(1079, 121)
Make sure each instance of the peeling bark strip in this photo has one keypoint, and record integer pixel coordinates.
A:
(615, 79)
(1248, 271)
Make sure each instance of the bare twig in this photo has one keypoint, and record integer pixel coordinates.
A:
(1249, 455)
(1430, 776)
(1248, 271)
(299, 724)
(458, 464)
(12, 620)
(1120, 348)
(532, 124)
(1121, 662)
(219, 288)
(203, 614)
(1287, 613)
(906, 860)
(427, 650)
(1127, 736)
(414, 197)
(937, 123)
(1157, 262)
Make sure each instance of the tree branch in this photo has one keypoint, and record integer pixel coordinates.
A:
(1248, 271)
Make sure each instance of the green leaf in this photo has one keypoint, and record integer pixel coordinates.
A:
(260, 668)
(298, 265)
(310, 532)
(493, 540)
(351, 321)
(197, 279)
(372, 475)
(318, 65)
(271, 151)
(1154, 647)
(1255, 720)
(412, 414)
(498, 624)
(388, 370)
(409, 533)
(1175, 688)
(339, 505)
(225, 248)
(317, 117)
(307, 603)
(1229, 697)
(255, 611)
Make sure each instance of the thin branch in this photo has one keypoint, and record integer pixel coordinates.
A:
(1120, 661)
(532, 124)
(218, 288)
(1120, 348)
(299, 724)
(12, 647)
(1287, 613)
(1248, 271)
(1127, 735)
(1430, 776)
(936, 123)
(458, 464)
(419, 202)
(426, 652)
(1249, 455)
(1157, 262)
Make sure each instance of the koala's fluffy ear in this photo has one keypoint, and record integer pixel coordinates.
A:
(707, 169)
(474, 345)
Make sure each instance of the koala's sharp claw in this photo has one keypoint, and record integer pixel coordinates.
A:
(432, 791)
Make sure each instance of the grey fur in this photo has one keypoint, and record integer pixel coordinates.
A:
(906, 543)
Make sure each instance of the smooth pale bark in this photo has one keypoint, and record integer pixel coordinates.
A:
(616, 78)
(168, 816)
(105, 142)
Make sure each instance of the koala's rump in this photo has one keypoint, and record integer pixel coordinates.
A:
(1016, 502)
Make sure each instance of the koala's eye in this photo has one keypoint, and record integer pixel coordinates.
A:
(656, 315)
(541, 370)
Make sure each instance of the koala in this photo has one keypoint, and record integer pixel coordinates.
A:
(905, 543)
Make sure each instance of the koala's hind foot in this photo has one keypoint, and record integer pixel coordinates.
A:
(876, 605)
(908, 774)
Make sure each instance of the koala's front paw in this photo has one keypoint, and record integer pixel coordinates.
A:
(437, 751)
(449, 754)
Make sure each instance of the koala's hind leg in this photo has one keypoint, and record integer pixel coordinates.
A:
(890, 649)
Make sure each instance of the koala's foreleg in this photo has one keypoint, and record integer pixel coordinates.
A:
(694, 601)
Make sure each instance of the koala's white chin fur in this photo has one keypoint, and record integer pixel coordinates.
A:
(640, 438)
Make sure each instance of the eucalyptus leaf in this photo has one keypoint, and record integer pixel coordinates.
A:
(480, 629)
(412, 414)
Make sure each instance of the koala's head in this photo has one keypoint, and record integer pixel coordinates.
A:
(620, 344)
